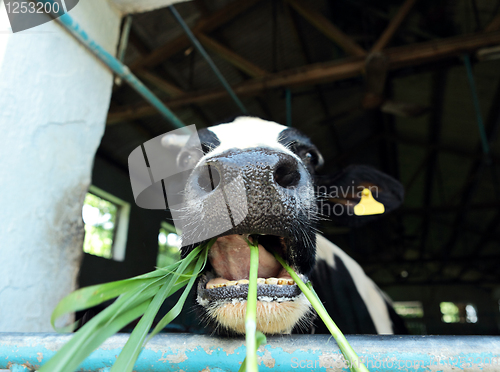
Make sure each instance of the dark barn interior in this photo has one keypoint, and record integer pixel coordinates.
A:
(409, 87)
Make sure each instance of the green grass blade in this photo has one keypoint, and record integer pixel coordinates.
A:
(82, 337)
(175, 311)
(100, 335)
(68, 358)
(85, 298)
(251, 309)
(260, 339)
(133, 347)
(88, 297)
(187, 269)
(140, 295)
(180, 270)
(152, 284)
(90, 332)
(350, 355)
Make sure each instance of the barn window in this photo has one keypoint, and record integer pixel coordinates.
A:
(169, 244)
(409, 309)
(106, 224)
(412, 312)
(458, 312)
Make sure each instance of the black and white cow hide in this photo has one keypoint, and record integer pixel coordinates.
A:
(273, 168)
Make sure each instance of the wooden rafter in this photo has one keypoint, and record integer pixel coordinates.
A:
(205, 24)
(230, 56)
(494, 25)
(160, 83)
(321, 73)
(328, 29)
(149, 75)
(155, 76)
(393, 26)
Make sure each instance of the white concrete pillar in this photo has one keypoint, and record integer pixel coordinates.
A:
(54, 98)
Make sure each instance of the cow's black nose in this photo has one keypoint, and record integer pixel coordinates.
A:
(286, 173)
(258, 168)
(208, 178)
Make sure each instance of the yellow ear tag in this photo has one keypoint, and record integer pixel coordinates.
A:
(368, 205)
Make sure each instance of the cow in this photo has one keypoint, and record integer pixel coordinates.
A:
(256, 179)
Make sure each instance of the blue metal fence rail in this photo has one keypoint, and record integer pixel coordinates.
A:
(174, 352)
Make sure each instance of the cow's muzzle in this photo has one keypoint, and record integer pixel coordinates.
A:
(257, 191)
(243, 193)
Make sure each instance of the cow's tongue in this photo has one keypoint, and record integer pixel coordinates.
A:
(230, 258)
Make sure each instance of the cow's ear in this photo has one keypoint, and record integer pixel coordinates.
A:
(339, 194)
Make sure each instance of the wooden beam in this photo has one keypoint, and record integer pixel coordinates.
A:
(328, 29)
(160, 83)
(494, 25)
(419, 53)
(205, 24)
(306, 75)
(375, 80)
(393, 26)
(233, 58)
(322, 73)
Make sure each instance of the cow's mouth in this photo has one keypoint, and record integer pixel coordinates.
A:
(223, 288)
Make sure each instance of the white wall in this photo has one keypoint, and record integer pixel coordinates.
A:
(54, 97)
(138, 6)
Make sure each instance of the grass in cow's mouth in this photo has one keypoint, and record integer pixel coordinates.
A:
(141, 296)
(253, 338)
(355, 364)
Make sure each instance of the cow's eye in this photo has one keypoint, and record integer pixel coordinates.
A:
(185, 160)
(311, 157)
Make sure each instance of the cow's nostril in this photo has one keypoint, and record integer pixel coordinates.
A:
(209, 178)
(287, 175)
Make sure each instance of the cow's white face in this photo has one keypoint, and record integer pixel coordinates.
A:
(255, 176)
